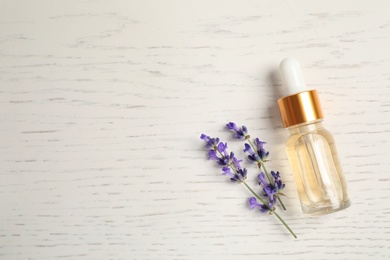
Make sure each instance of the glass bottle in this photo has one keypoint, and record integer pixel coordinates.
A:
(310, 148)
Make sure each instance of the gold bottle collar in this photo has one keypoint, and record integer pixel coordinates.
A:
(300, 108)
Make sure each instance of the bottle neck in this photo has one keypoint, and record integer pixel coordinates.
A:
(299, 108)
(305, 127)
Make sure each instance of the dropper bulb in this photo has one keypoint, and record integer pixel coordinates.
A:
(292, 76)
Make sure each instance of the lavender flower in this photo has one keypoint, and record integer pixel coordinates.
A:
(260, 154)
(260, 149)
(252, 155)
(278, 182)
(239, 176)
(271, 190)
(210, 142)
(236, 163)
(225, 159)
(263, 207)
(213, 155)
(240, 133)
(230, 164)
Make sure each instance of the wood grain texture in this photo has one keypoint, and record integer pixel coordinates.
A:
(102, 104)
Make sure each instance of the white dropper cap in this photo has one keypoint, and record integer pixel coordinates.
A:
(292, 76)
(300, 105)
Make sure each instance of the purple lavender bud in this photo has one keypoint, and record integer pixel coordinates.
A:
(242, 173)
(253, 203)
(262, 207)
(270, 192)
(252, 155)
(222, 147)
(279, 185)
(262, 179)
(240, 133)
(240, 176)
(210, 142)
(248, 149)
(232, 127)
(261, 152)
(237, 162)
(269, 189)
(259, 143)
(276, 175)
(213, 155)
(244, 130)
(267, 208)
(227, 171)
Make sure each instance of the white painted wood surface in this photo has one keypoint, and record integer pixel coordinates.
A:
(103, 102)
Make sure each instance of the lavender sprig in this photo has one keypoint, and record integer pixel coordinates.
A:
(259, 155)
(232, 168)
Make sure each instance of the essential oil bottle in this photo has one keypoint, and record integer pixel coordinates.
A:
(310, 148)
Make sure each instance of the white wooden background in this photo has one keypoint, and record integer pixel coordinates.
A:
(103, 103)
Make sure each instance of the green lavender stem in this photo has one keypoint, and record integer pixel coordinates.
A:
(270, 210)
(254, 193)
(285, 224)
(281, 202)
